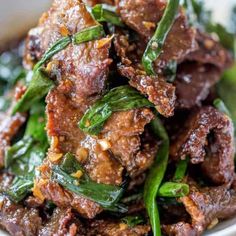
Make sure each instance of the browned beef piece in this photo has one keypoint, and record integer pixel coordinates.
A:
(206, 206)
(208, 139)
(9, 127)
(159, 92)
(114, 228)
(123, 131)
(63, 198)
(143, 16)
(179, 229)
(18, 220)
(193, 83)
(210, 52)
(80, 71)
(62, 222)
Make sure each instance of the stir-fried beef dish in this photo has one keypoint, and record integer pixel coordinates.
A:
(117, 119)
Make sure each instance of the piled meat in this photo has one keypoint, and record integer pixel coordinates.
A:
(125, 148)
(208, 139)
(206, 206)
(81, 72)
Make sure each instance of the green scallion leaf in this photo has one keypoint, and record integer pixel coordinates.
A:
(180, 170)
(105, 195)
(154, 47)
(132, 221)
(59, 45)
(88, 34)
(171, 189)
(39, 86)
(102, 14)
(155, 176)
(118, 99)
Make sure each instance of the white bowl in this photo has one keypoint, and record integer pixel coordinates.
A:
(17, 16)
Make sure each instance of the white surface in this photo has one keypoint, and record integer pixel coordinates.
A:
(16, 16)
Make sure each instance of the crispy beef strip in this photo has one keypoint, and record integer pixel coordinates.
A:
(205, 206)
(143, 16)
(80, 72)
(123, 131)
(18, 220)
(210, 52)
(200, 72)
(158, 91)
(193, 83)
(208, 139)
(62, 222)
(116, 228)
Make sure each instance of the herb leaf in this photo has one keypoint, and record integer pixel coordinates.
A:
(55, 48)
(102, 14)
(105, 195)
(180, 170)
(38, 88)
(226, 89)
(24, 156)
(19, 188)
(88, 34)
(171, 189)
(156, 43)
(132, 221)
(155, 176)
(118, 99)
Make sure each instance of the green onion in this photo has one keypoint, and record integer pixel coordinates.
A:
(38, 88)
(219, 105)
(55, 48)
(118, 99)
(102, 14)
(226, 89)
(105, 195)
(19, 188)
(88, 34)
(132, 221)
(155, 176)
(171, 189)
(154, 47)
(180, 170)
(23, 157)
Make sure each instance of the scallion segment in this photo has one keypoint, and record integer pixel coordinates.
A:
(155, 176)
(118, 99)
(102, 14)
(180, 170)
(171, 189)
(88, 34)
(154, 47)
(39, 86)
(55, 48)
(105, 195)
